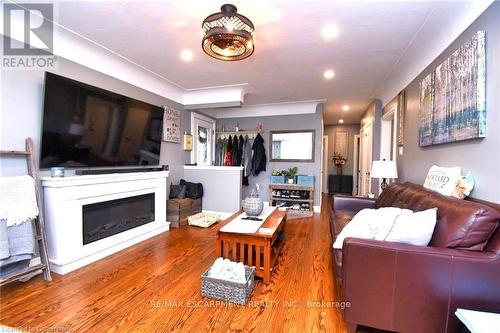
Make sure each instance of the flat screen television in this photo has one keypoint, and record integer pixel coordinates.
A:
(85, 126)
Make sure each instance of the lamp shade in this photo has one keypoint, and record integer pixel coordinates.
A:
(384, 169)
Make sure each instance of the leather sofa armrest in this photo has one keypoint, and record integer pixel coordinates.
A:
(407, 288)
(346, 203)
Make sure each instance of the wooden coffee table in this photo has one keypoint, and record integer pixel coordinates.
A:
(257, 249)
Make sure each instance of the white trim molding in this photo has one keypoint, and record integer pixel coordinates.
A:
(263, 110)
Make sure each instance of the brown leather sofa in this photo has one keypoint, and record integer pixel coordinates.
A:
(407, 288)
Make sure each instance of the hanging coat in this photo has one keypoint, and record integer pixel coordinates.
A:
(246, 159)
(219, 146)
(224, 152)
(235, 161)
(240, 149)
(228, 159)
(259, 158)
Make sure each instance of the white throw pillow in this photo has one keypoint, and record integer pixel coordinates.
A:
(442, 180)
(415, 228)
(390, 224)
(370, 224)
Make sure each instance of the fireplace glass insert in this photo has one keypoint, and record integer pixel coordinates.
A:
(108, 218)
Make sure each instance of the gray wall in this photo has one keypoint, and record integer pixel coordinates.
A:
(330, 132)
(481, 157)
(22, 111)
(270, 123)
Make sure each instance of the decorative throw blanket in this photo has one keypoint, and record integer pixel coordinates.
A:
(16, 246)
(390, 224)
(17, 199)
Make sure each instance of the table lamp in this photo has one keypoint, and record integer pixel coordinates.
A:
(385, 170)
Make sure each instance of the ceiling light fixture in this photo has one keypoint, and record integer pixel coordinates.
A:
(329, 31)
(227, 35)
(186, 55)
(341, 121)
(345, 108)
(329, 74)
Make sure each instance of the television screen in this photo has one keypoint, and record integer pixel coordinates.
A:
(85, 126)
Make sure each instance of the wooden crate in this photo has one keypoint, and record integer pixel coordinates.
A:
(178, 211)
(196, 206)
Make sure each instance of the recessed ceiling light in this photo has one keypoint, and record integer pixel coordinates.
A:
(186, 55)
(329, 31)
(345, 108)
(329, 74)
(341, 121)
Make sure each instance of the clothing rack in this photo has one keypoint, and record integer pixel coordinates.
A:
(40, 236)
(226, 134)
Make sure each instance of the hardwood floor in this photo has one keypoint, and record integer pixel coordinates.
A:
(155, 287)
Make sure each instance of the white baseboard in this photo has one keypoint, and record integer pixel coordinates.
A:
(317, 209)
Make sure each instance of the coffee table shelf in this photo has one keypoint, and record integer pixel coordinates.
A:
(260, 250)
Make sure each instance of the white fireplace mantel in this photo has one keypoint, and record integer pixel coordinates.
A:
(64, 198)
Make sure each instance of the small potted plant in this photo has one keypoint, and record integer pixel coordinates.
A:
(290, 174)
(339, 161)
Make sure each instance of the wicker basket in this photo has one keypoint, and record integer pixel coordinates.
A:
(229, 291)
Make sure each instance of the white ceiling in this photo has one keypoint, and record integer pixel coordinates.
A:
(290, 55)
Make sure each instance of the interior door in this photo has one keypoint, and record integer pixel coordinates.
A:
(203, 140)
(365, 182)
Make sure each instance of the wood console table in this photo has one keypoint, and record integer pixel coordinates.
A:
(258, 249)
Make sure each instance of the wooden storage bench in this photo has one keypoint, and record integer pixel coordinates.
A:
(178, 210)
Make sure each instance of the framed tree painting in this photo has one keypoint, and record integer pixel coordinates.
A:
(453, 96)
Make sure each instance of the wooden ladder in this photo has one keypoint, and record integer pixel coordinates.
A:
(40, 236)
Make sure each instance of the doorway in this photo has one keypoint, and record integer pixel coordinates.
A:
(365, 156)
(355, 166)
(388, 129)
(203, 131)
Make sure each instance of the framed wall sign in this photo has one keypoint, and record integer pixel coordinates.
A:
(171, 125)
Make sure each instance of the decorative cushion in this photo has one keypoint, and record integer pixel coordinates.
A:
(193, 190)
(390, 224)
(177, 191)
(461, 224)
(203, 220)
(415, 228)
(442, 180)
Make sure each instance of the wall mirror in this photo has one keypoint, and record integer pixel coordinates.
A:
(292, 146)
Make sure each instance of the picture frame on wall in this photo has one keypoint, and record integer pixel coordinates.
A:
(171, 125)
(400, 139)
(341, 143)
(453, 96)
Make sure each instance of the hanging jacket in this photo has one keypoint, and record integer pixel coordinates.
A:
(240, 149)
(228, 159)
(219, 146)
(224, 151)
(246, 159)
(235, 161)
(259, 158)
